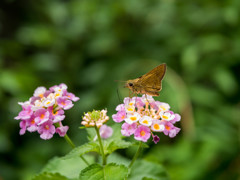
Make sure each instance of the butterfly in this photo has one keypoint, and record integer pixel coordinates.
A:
(150, 83)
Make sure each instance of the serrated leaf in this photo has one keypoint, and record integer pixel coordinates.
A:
(150, 170)
(69, 168)
(109, 172)
(83, 149)
(118, 159)
(114, 145)
(50, 176)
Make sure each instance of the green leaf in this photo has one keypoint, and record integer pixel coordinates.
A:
(83, 149)
(69, 168)
(118, 159)
(146, 178)
(147, 170)
(50, 176)
(91, 133)
(109, 172)
(113, 145)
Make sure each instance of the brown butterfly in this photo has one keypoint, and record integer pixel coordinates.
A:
(150, 83)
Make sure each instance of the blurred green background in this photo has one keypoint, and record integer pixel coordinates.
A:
(88, 44)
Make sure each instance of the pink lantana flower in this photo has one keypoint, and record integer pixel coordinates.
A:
(119, 117)
(64, 103)
(128, 129)
(41, 116)
(32, 125)
(46, 130)
(44, 110)
(144, 114)
(105, 131)
(70, 96)
(39, 92)
(56, 115)
(142, 133)
(26, 113)
(62, 130)
(23, 127)
(170, 130)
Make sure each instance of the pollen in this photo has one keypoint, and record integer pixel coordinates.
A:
(130, 104)
(48, 102)
(63, 103)
(142, 133)
(133, 118)
(32, 121)
(156, 126)
(41, 95)
(47, 127)
(123, 117)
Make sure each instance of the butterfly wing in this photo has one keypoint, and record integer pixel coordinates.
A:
(152, 81)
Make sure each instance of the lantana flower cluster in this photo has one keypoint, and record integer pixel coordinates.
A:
(95, 118)
(143, 117)
(44, 111)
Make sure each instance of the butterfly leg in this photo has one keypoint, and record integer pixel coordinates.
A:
(146, 98)
(129, 93)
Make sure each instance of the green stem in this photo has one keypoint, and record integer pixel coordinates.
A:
(136, 155)
(101, 146)
(69, 141)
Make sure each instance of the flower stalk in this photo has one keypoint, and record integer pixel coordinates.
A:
(104, 161)
(136, 155)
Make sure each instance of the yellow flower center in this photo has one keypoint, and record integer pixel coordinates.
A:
(130, 109)
(42, 116)
(32, 121)
(167, 127)
(145, 121)
(123, 116)
(57, 94)
(156, 126)
(133, 118)
(47, 127)
(142, 133)
(41, 95)
(165, 117)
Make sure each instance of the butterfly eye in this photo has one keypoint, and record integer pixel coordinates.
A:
(130, 84)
